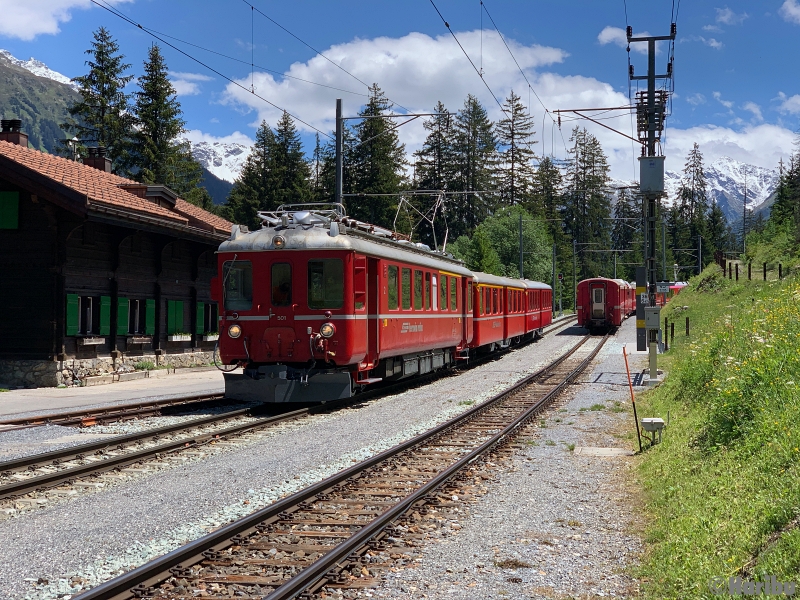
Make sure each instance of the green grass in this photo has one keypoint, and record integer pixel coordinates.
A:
(3, 390)
(466, 403)
(597, 406)
(722, 493)
(571, 447)
(549, 443)
(144, 365)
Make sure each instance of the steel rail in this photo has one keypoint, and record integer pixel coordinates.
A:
(135, 582)
(115, 412)
(115, 462)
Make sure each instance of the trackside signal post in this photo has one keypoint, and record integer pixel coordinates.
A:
(651, 106)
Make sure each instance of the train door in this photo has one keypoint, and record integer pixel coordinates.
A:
(598, 300)
(466, 311)
(373, 311)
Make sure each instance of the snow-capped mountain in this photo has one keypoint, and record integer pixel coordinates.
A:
(225, 160)
(726, 180)
(37, 67)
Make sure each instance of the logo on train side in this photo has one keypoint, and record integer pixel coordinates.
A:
(410, 327)
(495, 324)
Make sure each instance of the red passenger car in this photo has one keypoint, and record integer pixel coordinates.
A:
(604, 303)
(315, 305)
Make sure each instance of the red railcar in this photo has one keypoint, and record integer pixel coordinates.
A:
(315, 305)
(604, 303)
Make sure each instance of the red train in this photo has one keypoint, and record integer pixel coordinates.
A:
(315, 306)
(604, 303)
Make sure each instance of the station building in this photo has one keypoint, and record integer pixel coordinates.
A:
(99, 272)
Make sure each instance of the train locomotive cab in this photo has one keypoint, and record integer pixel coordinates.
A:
(314, 306)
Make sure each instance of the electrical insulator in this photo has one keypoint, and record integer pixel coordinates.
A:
(630, 31)
(674, 29)
(669, 68)
(630, 70)
(559, 120)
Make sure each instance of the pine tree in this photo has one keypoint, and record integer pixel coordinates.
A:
(718, 229)
(378, 162)
(587, 211)
(290, 172)
(158, 156)
(515, 136)
(251, 189)
(102, 116)
(434, 159)
(693, 196)
(474, 156)
(626, 233)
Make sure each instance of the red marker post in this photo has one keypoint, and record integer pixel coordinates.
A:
(633, 398)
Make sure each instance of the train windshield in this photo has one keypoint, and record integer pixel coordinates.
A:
(237, 277)
(325, 283)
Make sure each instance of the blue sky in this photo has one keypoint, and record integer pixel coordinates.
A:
(737, 86)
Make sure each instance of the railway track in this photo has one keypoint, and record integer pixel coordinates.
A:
(111, 414)
(340, 532)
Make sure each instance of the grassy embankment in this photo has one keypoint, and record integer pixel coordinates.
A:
(722, 490)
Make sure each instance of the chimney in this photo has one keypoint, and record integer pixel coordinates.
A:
(10, 132)
(97, 159)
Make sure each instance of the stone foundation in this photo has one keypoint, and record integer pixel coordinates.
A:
(72, 372)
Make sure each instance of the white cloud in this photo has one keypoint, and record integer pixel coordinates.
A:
(696, 99)
(29, 18)
(712, 42)
(790, 11)
(415, 71)
(187, 84)
(755, 109)
(727, 17)
(789, 104)
(714, 28)
(196, 136)
(763, 145)
(726, 103)
(616, 35)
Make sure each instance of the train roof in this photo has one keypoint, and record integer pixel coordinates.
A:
(619, 282)
(312, 230)
(488, 279)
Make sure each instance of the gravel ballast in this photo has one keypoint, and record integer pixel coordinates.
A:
(83, 542)
(555, 523)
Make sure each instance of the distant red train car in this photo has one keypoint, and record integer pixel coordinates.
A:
(604, 303)
(315, 306)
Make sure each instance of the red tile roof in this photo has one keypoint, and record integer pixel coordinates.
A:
(103, 188)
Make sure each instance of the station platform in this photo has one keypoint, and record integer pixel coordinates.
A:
(184, 382)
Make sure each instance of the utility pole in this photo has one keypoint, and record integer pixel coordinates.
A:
(521, 275)
(651, 106)
(575, 274)
(554, 277)
(744, 215)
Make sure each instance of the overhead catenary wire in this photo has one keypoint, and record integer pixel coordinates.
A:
(483, 79)
(310, 47)
(103, 5)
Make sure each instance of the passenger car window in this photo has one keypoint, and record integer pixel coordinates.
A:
(417, 290)
(443, 292)
(453, 294)
(427, 291)
(325, 283)
(406, 288)
(281, 284)
(392, 288)
(237, 278)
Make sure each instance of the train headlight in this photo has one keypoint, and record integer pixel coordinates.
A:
(279, 241)
(327, 330)
(235, 331)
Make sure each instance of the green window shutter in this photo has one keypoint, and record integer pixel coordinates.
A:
(200, 322)
(179, 316)
(122, 316)
(9, 210)
(150, 317)
(105, 315)
(72, 314)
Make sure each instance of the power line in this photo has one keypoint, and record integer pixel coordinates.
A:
(446, 24)
(338, 66)
(263, 68)
(198, 61)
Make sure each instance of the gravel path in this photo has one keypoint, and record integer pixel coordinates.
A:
(85, 541)
(555, 523)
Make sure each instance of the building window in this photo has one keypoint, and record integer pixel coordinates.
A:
(136, 317)
(207, 320)
(325, 283)
(392, 287)
(406, 285)
(282, 283)
(237, 284)
(88, 315)
(9, 210)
